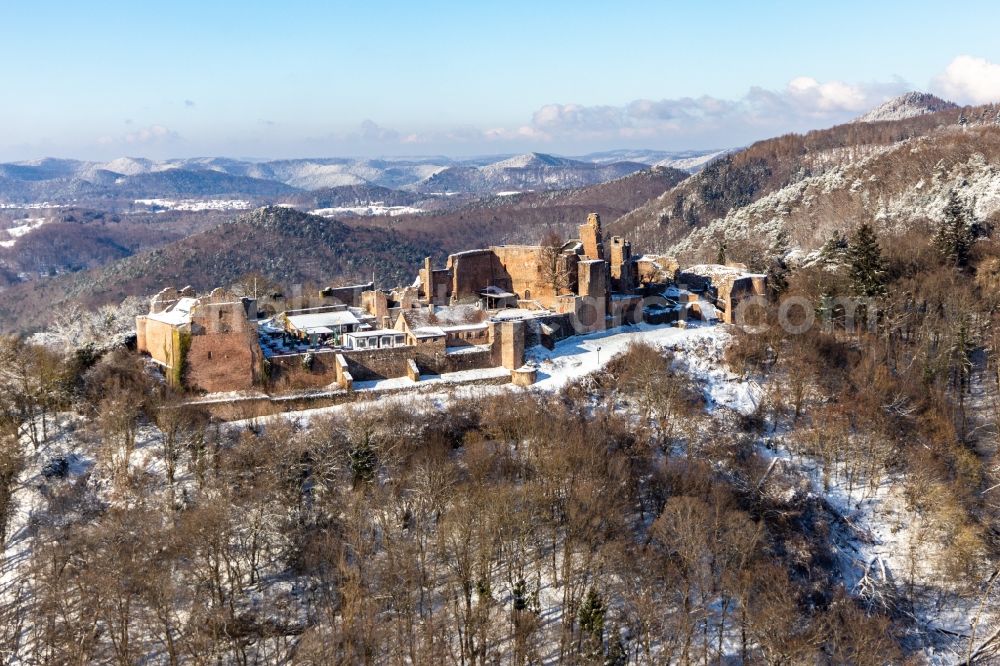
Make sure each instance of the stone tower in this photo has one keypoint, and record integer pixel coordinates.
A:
(592, 237)
(621, 265)
(507, 340)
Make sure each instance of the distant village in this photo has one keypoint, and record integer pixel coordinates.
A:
(480, 312)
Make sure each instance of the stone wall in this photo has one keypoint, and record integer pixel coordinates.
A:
(218, 318)
(626, 309)
(350, 295)
(466, 338)
(593, 281)
(474, 270)
(656, 269)
(529, 277)
(376, 303)
(467, 360)
(221, 362)
(224, 354)
(140, 334)
(254, 407)
(373, 364)
(298, 299)
(435, 284)
(291, 372)
(519, 269)
(741, 289)
(523, 376)
(159, 341)
(548, 330)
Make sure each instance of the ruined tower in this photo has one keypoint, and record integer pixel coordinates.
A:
(621, 265)
(592, 237)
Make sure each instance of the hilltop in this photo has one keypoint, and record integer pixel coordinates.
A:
(907, 105)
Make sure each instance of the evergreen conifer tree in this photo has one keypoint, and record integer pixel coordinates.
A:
(955, 235)
(720, 257)
(834, 250)
(777, 269)
(868, 267)
(592, 616)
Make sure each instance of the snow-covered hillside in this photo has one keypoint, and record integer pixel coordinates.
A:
(57, 179)
(898, 188)
(907, 105)
(692, 164)
(26, 226)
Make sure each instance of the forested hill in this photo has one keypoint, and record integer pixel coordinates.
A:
(283, 244)
(803, 188)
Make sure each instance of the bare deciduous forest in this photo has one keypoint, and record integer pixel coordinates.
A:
(624, 519)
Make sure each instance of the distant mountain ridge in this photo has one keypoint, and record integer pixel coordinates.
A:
(61, 180)
(531, 171)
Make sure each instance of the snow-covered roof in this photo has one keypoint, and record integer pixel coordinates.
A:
(496, 292)
(468, 349)
(517, 313)
(269, 326)
(310, 323)
(178, 313)
(374, 333)
(464, 327)
(428, 332)
(454, 315)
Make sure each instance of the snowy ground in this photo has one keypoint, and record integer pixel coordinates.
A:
(697, 350)
(27, 225)
(65, 442)
(194, 205)
(366, 211)
(30, 206)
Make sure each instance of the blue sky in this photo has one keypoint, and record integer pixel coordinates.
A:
(308, 78)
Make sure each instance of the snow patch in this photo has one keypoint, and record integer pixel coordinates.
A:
(27, 226)
(194, 205)
(377, 208)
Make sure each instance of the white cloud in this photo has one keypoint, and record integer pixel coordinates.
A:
(371, 131)
(833, 96)
(970, 79)
(147, 140)
(151, 134)
(803, 103)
